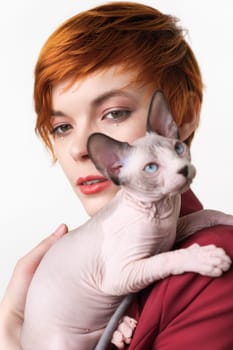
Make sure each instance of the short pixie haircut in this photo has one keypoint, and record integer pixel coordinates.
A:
(133, 35)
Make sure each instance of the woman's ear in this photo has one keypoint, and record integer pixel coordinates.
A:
(191, 119)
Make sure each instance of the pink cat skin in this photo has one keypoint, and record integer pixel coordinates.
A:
(85, 276)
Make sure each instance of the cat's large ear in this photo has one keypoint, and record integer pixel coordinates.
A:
(108, 155)
(160, 119)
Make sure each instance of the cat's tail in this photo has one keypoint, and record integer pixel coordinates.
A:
(113, 323)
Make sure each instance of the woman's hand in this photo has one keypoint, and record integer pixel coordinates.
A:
(13, 303)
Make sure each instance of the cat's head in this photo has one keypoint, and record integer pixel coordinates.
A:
(153, 166)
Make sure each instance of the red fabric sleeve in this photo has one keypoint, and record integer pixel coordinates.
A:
(188, 312)
(189, 203)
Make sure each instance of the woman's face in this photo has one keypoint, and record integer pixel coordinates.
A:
(109, 102)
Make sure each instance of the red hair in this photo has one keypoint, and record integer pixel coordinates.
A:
(135, 35)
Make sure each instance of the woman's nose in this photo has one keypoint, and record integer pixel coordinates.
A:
(78, 146)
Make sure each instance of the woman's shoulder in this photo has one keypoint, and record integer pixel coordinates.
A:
(220, 235)
(188, 310)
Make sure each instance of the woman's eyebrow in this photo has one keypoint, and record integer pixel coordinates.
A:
(55, 113)
(106, 95)
(97, 101)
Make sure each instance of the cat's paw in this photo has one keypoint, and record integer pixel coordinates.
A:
(123, 334)
(208, 260)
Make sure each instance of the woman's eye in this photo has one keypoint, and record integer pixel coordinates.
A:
(179, 148)
(151, 168)
(117, 115)
(61, 130)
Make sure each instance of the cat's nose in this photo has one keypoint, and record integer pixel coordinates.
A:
(184, 171)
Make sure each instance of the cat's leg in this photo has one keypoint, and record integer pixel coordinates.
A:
(189, 224)
(206, 260)
(124, 332)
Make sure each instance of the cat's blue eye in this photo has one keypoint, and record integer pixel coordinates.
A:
(151, 168)
(179, 148)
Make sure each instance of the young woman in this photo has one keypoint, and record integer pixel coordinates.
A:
(95, 73)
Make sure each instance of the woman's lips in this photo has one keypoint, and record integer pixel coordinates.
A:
(93, 184)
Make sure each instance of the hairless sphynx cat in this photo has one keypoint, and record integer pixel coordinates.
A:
(87, 274)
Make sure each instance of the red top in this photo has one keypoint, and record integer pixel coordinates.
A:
(189, 311)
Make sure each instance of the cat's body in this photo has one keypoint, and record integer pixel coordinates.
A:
(99, 268)
(122, 249)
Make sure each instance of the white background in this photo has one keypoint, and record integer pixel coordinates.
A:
(34, 195)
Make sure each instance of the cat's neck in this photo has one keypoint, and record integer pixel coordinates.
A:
(161, 207)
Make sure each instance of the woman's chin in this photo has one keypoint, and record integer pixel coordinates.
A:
(93, 203)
